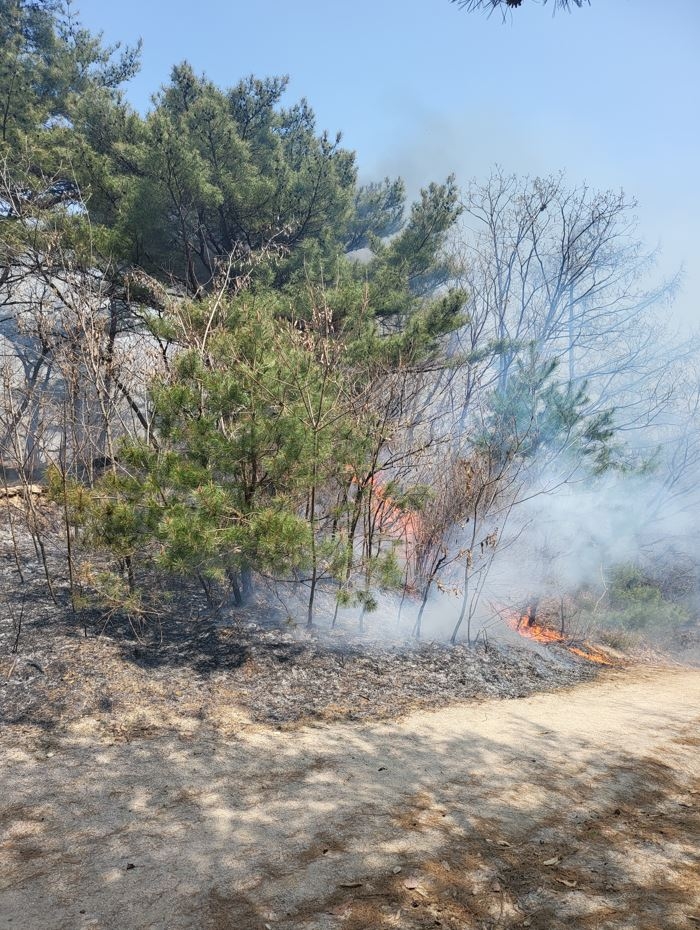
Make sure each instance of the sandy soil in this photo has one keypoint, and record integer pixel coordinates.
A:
(574, 809)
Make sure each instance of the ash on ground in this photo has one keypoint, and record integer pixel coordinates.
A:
(255, 667)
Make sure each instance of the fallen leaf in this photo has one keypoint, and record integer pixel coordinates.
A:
(504, 843)
(553, 861)
(564, 881)
(396, 869)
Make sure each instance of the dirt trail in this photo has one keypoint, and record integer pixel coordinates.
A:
(575, 809)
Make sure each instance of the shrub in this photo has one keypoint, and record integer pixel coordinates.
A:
(636, 602)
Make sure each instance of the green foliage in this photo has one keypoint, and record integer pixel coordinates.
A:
(386, 571)
(287, 368)
(257, 423)
(69, 494)
(535, 415)
(111, 590)
(344, 597)
(211, 172)
(47, 61)
(236, 448)
(633, 603)
(366, 600)
(49, 64)
(637, 603)
(412, 263)
(378, 213)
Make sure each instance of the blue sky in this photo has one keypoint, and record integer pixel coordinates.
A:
(610, 92)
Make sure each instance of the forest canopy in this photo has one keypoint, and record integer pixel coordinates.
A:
(232, 363)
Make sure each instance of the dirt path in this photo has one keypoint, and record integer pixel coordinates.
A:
(575, 809)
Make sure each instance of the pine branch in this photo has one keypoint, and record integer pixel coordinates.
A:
(504, 5)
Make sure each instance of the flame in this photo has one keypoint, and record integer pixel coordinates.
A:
(393, 521)
(525, 625)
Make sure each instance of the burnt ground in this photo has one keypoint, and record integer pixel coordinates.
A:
(271, 673)
(253, 665)
(222, 667)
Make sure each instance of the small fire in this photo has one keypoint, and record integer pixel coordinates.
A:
(391, 520)
(527, 625)
(395, 521)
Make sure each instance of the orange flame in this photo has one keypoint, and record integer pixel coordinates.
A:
(526, 626)
(394, 521)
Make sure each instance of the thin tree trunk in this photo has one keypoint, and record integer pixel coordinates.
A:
(312, 523)
(464, 609)
(419, 618)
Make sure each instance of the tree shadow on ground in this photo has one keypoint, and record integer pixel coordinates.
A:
(309, 829)
(197, 662)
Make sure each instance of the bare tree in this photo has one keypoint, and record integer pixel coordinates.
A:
(560, 269)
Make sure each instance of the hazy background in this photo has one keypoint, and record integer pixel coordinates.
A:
(419, 88)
